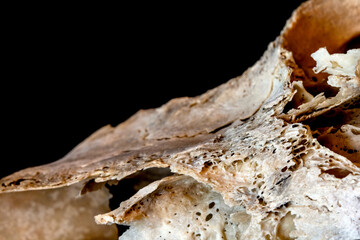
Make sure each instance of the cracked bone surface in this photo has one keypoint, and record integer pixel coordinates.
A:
(271, 154)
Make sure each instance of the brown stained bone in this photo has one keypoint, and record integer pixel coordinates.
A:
(321, 23)
(243, 141)
(153, 136)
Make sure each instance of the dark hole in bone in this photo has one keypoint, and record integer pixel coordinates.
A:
(333, 118)
(338, 172)
(352, 44)
(91, 186)
(328, 124)
(284, 205)
(127, 187)
(17, 182)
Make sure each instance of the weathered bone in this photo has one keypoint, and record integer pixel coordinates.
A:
(278, 156)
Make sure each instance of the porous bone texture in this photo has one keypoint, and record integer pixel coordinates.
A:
(271, 168)
(272, 154)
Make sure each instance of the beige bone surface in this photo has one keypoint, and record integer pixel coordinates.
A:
(276, 148)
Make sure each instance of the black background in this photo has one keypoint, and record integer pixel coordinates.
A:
(69, 70)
